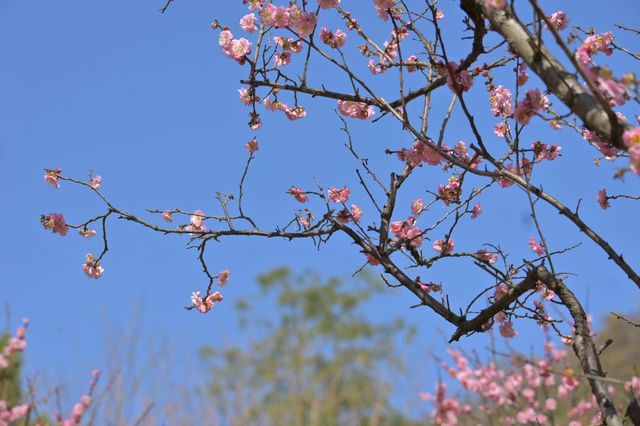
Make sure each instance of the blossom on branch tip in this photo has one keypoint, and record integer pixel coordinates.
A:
(223, 277)
(52, 176)
(95, 182)
(339, 195)
(298, 194)
(55, 222)
(603, 199)
(444, 247)
(92, 267)
(207, 304)
(335, 39)
(536, 247)
(87, 233)
(252, 146)
(417, 207)
(166, 215)
(475, 212)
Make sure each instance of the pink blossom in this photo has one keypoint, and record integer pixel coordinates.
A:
(411, 63)
(196, 220)
(288, 44)
(343, 216)
(371, 259)
(593, 44)
(52, 176)
(247, 97)
(477, 209)
(326, 4)
(358, 110)
(298, 194)
(535, 247)
(334, 40)
(248, 23)
(295, 113)
(506, 330)
(450, 193)
(92, 267)
(501, 129)
(457, 80)
(207, 304)
(500, 100)
(559, 20)
(603, 199)
(224, 38)
(223, 277)
(534, 101)
(485, 256)
(374, 67)
(417, 207)
(56, 223)
(167, 216)
(252, 146)
(444, 247)
(95, 182)
(87, 233)
(439, 14)
(281, 59)
(550, 404)
(356, 212)
(305, 24)
(339, 195)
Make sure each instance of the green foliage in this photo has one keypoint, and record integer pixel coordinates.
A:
(314, 358)
(10, 390)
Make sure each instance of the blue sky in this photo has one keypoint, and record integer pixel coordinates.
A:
(149, 102)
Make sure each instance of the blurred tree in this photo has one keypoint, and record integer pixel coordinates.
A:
(10, 390)
(622, 359)
(315, 359)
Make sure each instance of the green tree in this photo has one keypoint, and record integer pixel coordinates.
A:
(314, 358)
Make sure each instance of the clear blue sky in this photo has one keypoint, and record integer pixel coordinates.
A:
(149, 102)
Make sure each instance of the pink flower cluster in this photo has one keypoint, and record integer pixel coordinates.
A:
(344, 215)
(298, 194)
(236, 49)
(593, 44)
(447, 409)
(382, 6)
(301, 22)
(55, 222)
(543, 151)
(339, 195)
(91, 267)
(533, 102)
(79, 409)
(359, 110)
(407, 231)
(327, 4)
(420, 153)
(608, 150)
(16, 344)
(335, 39)
(500, 100)
(206, 304)
(450, 193)
(522, 393)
